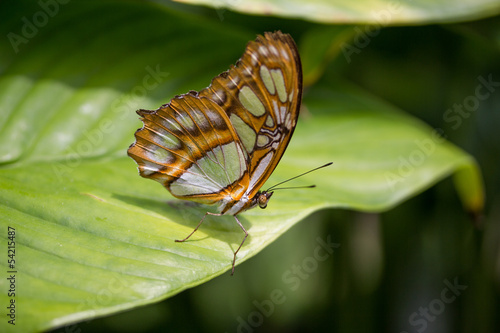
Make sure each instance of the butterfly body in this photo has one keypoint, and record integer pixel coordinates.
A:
(220, 145)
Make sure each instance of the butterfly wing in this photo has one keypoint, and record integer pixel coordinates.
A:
(220, 145)
(261, 96)
(190, 147)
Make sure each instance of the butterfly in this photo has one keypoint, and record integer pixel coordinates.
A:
(221, 144)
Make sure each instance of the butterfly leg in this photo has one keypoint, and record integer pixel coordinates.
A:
(201, 221)
(246, 235)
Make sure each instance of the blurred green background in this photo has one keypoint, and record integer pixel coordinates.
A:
(387, 272)
(389, 267)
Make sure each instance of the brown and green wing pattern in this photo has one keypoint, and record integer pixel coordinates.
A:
(261, 95)
(220, 145)
(190, 147)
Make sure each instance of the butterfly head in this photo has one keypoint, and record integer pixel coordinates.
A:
(263, 198)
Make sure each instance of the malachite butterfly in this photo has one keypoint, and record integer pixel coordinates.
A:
(220, 145)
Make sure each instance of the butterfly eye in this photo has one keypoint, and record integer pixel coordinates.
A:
(264, 198)
(262, 201)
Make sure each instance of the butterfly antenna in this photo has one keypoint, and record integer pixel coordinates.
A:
(293, 187)
(305, 173)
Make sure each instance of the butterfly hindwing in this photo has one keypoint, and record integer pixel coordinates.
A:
(190, 147)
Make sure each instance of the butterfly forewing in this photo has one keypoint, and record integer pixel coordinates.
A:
(261, 96)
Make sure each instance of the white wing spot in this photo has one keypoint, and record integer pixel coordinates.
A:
(214, 118)
(288, 121)
(283, 113)
(285, 54)
(263, 50)
(148, 168)
(255, 59)
(219, 97)
(233, 82)
(274, 50)
(276, 111)
(247, 71)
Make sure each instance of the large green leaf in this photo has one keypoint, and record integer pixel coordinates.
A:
(378, 12)
(92, 237)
